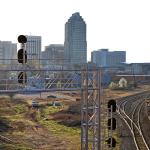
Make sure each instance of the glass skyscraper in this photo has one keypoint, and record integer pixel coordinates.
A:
(75, 46)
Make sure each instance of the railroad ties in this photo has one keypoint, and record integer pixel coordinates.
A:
(130, 110)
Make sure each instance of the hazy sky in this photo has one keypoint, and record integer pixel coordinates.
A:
(113, 24)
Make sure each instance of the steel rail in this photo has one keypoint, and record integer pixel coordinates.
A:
(126, 118)
(139, 125)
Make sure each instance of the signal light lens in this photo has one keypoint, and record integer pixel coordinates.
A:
(112, 104)
(111, 124)
(20, 56)
(22, 39)
(22, 77)
(111, 142)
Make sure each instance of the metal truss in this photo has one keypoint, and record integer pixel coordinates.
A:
(39, 79)
(90, 110)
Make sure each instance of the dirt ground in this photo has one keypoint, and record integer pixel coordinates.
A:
(30, 130)
(49, 127)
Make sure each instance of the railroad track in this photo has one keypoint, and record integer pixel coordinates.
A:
(130, 110)
(6, 140)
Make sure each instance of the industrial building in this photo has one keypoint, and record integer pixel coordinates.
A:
(8, 51)
(53, 55)
(105, 58)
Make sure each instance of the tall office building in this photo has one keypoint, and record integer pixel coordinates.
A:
(75, 46)
(8, 51)
(105, 58)
(33, 47)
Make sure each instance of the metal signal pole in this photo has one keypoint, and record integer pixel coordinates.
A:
(90, 110)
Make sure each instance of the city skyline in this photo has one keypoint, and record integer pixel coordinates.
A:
(116, 25)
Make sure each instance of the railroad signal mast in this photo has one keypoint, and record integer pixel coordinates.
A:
(22, 58)
(111, 124)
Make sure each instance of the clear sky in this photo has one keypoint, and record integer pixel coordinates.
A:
(112, 24)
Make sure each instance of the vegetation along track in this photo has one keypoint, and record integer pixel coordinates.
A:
(130, 110)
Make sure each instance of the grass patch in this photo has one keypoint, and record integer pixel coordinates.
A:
(71, 134)
(49, 110)
(20, 108)
(13, 147)
(55, 127)
(58, 129)
(14, 117)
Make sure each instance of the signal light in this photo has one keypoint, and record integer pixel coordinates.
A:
(22, 78)
(111, 124)
(22, 39)
(20, 56)
(111, 142)
(112, 104)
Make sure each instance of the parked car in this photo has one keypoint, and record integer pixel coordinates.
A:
(35, 104)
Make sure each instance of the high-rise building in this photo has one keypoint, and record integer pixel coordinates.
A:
(33, 47)
(105, 58)
(8, 52)
(75, 46)
(53, 55)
